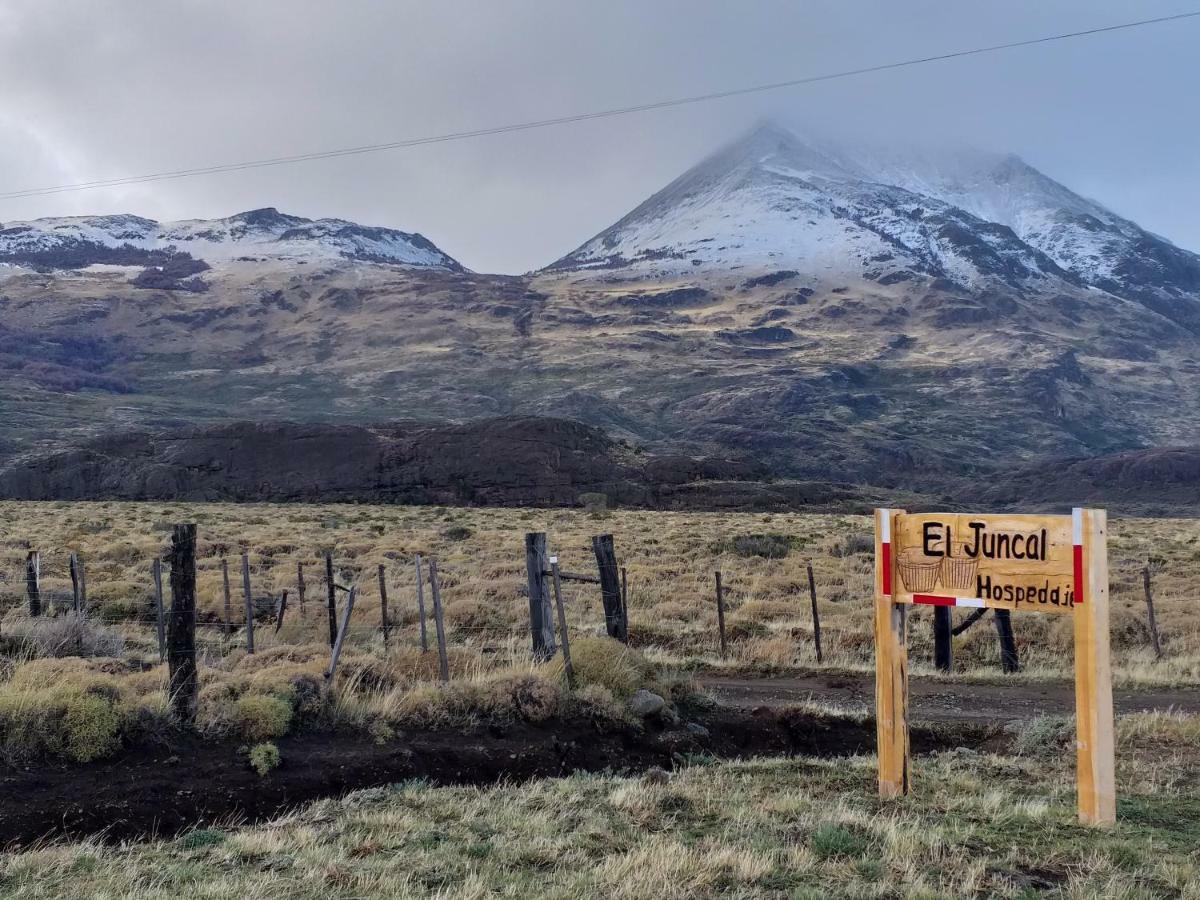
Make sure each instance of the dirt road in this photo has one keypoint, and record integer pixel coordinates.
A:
(941, 701)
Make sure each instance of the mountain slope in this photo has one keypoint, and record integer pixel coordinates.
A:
(772, 199)
(79, 241)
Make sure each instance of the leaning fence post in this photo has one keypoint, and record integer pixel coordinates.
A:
(341, 635)
(156, 572)
(331, 600)
(625, 600)
(610, 586)
(812, 593)
(541, 613)
(281, 611)
(562, 623)
(721, 613)
(228, 597)
(421, 605)
(181, 637)
(1150, 613)
(249, 603)
(435, 589)
(383, 612)
(33, 582)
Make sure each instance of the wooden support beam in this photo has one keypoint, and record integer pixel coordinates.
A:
(76, 583)
(1009, 660)
(300, 586)
(891, 665)
(181, 629)
(281, 611)
(943, 643)
(1096, 755)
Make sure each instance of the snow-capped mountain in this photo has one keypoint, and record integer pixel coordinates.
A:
(262, 233)
(774, 200)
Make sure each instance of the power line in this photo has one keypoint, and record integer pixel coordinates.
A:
(579, 117)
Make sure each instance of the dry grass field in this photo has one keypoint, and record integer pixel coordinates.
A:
(670, 559)
(978, 825)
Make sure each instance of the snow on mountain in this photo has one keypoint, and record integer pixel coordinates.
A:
(772, 199)
(263, 233)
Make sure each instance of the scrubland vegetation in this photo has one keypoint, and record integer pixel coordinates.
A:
(79, 688)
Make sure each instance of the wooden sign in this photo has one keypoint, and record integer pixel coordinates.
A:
(1053, 564)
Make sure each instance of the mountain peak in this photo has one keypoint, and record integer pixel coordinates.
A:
(262, 234)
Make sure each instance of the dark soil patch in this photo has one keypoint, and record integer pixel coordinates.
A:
(186, 782)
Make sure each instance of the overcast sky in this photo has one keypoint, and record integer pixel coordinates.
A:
(98, 89)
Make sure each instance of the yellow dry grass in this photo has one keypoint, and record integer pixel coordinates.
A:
(670, 559)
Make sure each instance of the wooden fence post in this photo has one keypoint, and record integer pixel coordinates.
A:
(891, 665)
(435, 589)
(181, 637)
(568, 669)
(249, 603)
(331, 600)
(816, 617)
(341, 635)
(300, 585)
(610, 586)
(721, 614)
(1009, 661)
(625, 599)
(943, 641)
(228, 597)
(1095, 753)
(279, 614)
(1150, 613)
(421, 605)
(383, 611)
(541, 614)
(33, 582)
(76, 584)
(156, 573)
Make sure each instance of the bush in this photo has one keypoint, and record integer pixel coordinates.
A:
(767, 546)
(595, 504)
(264, 757)
(536, 698)
(262, 716)
(91, 726)
(606, 662)
(597, 703)
(72, 634)
(457, 533)
(82, 722)
(853, 544)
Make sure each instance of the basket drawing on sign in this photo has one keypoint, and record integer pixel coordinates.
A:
(960, 572)
(918, 572)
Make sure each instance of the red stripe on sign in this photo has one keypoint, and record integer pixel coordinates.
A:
(933, 600)
(1078, 573)
(887, 570)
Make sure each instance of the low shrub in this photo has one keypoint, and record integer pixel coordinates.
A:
(770, 545)
(607, 662)
(75, 718)
(457, 533)
(536, 698)
(73, 634)
(264, 758)
(596, 703)
(831, 841)
(262, 716)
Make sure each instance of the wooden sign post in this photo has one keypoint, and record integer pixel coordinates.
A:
(1053, 564)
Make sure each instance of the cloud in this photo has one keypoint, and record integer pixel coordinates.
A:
(105, 90)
